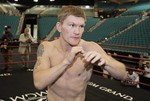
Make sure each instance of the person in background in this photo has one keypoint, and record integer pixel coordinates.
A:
(25, 40)
(147, 70)
(65, 65)
(145, 78)
(6, 47)
(134, 77)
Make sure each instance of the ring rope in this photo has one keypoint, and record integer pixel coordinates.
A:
(17, 54)
(127, 79)
(146, 59)
(124, 46)
(139, 70)
(141, 47)
(30, 61)
(32, 46)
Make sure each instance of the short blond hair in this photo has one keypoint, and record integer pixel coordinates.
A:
(70, 10)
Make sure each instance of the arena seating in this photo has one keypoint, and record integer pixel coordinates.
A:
(91, 22)
(137, 9)
(138, 36)
(45, 25)
(109, 27)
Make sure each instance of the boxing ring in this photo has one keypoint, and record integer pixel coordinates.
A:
(18, 85)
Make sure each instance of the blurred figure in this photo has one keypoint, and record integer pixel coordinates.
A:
(147, 70)
(145, 78)
(132, 80)
(141, 64)
(25, 40)
(6, 49)
(133, 76)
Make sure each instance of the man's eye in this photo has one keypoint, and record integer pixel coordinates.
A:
(72, 25)
(82, 26)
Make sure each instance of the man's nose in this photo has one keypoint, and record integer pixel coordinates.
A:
(77, 30)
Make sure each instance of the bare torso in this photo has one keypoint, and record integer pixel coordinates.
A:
(71, 85)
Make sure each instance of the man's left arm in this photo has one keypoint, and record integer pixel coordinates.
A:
(115, 68)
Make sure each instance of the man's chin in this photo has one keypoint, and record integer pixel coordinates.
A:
(74, 44)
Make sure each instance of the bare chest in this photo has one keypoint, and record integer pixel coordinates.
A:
(75, 78)
(78, 66)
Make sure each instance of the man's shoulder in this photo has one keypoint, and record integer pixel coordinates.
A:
(22, 34)
(47, 44)
(88, 43)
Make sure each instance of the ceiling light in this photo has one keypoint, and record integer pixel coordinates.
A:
(35, 0)
(51, 0)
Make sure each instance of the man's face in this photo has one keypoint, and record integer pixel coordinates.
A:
(26, 31)
(71, 29)
(8, 30)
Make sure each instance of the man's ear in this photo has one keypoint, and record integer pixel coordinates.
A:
(58, 26)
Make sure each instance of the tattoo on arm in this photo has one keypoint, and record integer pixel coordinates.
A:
(40, 50)
(39, 53)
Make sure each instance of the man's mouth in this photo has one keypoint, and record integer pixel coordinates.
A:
(76, 37)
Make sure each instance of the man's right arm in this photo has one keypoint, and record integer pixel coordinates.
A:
(43, 74)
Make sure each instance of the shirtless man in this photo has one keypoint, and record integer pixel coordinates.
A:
(65, 65)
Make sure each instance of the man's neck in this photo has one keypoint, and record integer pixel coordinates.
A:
(65, 47)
